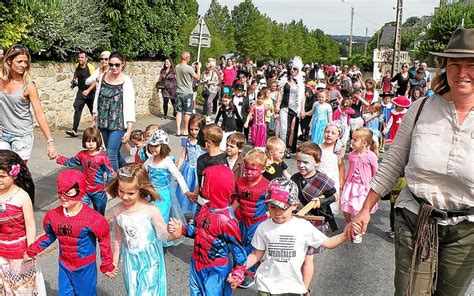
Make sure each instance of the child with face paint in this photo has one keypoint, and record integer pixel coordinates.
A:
(249, 195)
(311, 184)
(363, 164)
(77, 228)
(280, 271)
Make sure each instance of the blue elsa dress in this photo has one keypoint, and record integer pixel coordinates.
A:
(139, 234)
(189, 172)
(162, 178)
(320, 120)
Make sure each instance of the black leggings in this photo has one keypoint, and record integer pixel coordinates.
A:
(166, 101)
(292, 115)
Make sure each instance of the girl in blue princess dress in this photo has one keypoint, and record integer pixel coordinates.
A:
(139, 232)
(162, 170)
(187, 160)
(322, 114)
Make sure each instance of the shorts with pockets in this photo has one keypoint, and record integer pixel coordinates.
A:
(184, 103)
(22, 145)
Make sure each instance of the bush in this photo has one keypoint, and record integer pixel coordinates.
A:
(61, 30)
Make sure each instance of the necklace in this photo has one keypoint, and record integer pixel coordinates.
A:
(3, 202)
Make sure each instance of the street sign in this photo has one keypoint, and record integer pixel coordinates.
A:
(200, 37)
(194, 41)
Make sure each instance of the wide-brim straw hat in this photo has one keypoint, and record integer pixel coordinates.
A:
(402, 101)
(461, 45)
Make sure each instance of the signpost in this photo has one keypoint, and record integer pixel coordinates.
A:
(200, 37)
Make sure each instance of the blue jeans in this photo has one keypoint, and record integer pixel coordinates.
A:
(113, 142)
(97, 199)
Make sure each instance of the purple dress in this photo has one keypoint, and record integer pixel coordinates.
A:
(259, 127)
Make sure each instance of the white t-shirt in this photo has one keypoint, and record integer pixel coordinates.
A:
(285, 248)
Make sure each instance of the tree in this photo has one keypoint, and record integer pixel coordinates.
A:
(444, 22)
(220, 24)
(252, 32)
(15, 22)
(153, 28)
(411, 21)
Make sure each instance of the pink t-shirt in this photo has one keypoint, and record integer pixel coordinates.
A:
(229, 75)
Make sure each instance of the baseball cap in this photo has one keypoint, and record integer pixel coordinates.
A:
(71, 179)
(158, 137)
(282, 193)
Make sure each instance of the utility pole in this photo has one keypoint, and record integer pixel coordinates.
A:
(398, 37)
(365, 47)
(352, 26)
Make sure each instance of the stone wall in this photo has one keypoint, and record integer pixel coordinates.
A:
(57, 97)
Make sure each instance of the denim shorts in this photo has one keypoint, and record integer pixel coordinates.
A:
(22, 145)
(184, 103)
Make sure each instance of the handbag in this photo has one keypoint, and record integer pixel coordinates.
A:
(205, 93)
(160, 84)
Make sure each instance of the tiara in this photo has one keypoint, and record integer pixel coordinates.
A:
(123, 172)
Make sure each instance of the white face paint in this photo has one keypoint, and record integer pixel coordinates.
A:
(306, 164)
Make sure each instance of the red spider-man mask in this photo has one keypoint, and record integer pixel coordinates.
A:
(218, 186)
(71, 179)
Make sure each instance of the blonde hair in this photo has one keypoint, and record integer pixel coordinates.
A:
(366, 135)
(274, 143)
(325, 92)
(13, 52)
(256, 156)
(138, 177)
(440, 84)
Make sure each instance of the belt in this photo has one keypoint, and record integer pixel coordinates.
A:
(445, 214)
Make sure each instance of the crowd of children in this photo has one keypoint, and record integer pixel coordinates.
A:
(237, 206)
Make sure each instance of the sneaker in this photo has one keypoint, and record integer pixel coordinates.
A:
(391, 234)
(71, 133)
(247, 283)
(357, 239)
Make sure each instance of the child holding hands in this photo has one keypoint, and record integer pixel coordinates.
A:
(77, 228)
(96, 167)
(139, 230)
(282, 243)
(216, 238)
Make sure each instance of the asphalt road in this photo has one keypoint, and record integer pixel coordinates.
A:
(365, 269)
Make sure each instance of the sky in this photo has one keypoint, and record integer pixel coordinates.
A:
(333, 16)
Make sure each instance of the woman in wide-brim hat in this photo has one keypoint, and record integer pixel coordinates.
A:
(435, 212)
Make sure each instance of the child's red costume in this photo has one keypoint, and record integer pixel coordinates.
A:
(77, 237)
(251, 212)
(216, 236)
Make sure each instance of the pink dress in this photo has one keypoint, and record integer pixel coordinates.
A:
(259, 127)
(361, 170)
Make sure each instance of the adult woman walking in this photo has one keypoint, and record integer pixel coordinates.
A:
(289, 106)
(104, 67)
(401, 81)
(210, 78)
(168, 92)
(17, 94)
(434, 229)
(114, 107)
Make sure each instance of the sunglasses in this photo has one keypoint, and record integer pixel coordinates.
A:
(17, 48)
(117, 65)
(103, 59)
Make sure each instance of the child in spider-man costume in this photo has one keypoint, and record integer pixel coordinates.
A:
(249, 195)
(96, 167)
(216, 236)
(77, 227)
